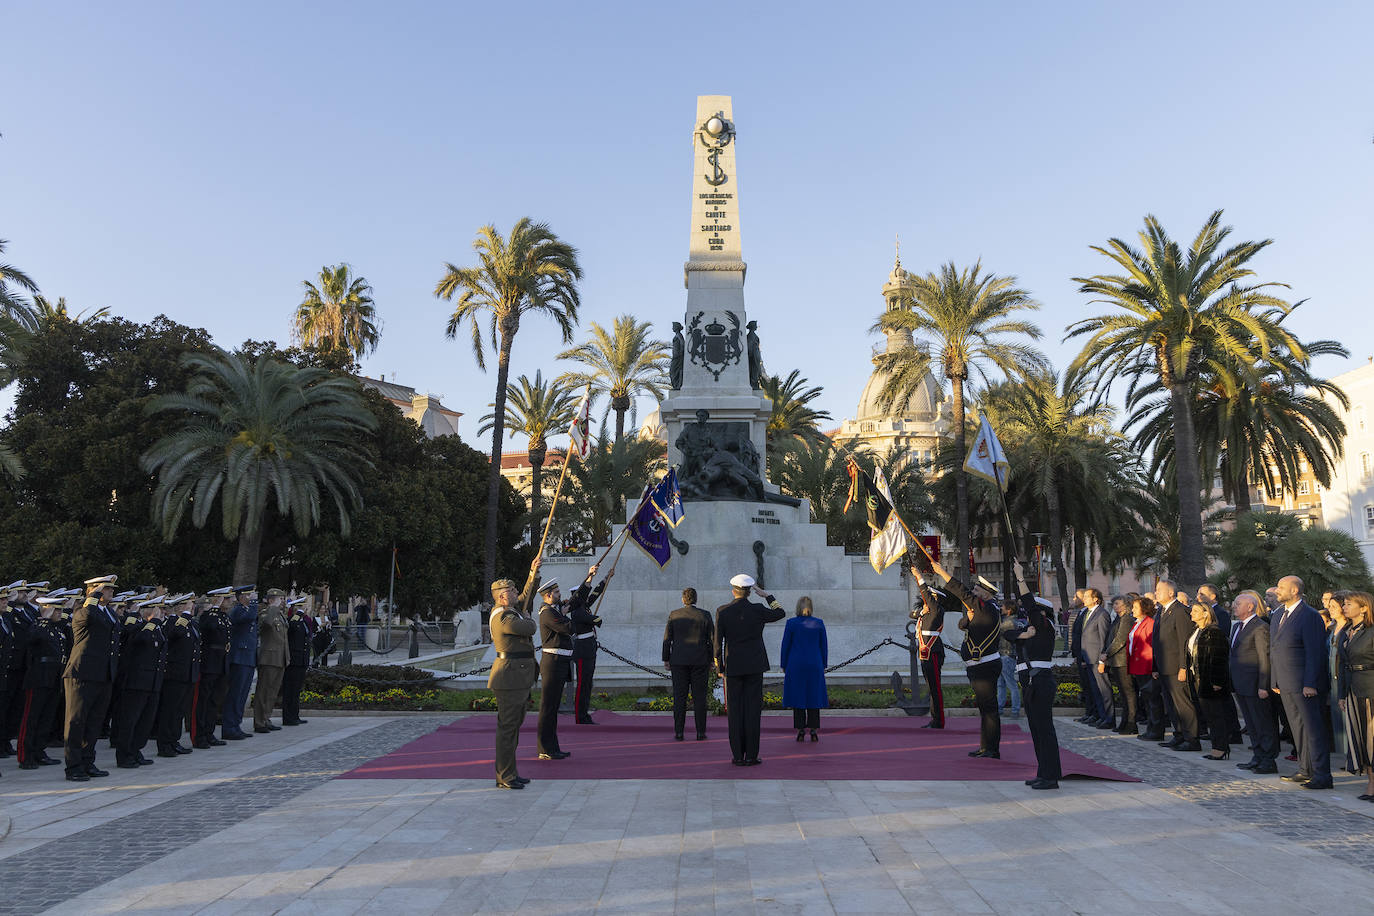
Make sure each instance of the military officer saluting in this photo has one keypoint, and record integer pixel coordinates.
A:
(183, 672)
(45, 654)
(297, 661)
(555, 667)
(207, 701)
(13, 637)
(143, 663)
(513, 672)
(89, 677)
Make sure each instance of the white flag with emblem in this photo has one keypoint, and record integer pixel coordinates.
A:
(986, 458)
(580, 432)
(889, 544)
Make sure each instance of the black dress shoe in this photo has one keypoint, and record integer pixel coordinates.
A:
(1149, 736)
(990, 755)
(1314, 784)
(523, 780)
(29, 765)
(297, 722)
(738, 761)
(201, 745)
(933, 725)
(259, 730)
(235, 736)
(1247, 765)
(1031, 782)
(556, 755)
(93, 770)
(1266, 767)
(181, 748)
(167, 752)
(752, 762)
(128, 764)
(77, 776)
(144, 761)
(509, 785)
(587, 721)
(1045, 784)
(1296, 777)
(47, 761)
(214, 742)
(677, 736)
(1189, 746)
(273, 727)
(701, 736)
(1105, 723)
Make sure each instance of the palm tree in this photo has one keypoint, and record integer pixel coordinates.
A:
(1180, 313)
(258, 436)
(537, 410)
(12, 279)
(1063, 442)
(793, 416)
(624, 364)
(337, 314)
(528, 272)
(962, 324)
(1265, 431)
(45, 309)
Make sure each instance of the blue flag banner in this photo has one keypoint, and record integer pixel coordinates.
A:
(667, 499)
(650, 532)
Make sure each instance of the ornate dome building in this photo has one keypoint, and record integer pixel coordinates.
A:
(916, 424)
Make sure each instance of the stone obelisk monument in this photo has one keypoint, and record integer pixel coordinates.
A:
(715, 419)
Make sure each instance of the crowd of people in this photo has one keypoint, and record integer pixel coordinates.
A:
(81, 665)
(1291, 672)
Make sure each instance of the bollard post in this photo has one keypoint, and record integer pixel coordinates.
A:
(414, 640)
(346, 653)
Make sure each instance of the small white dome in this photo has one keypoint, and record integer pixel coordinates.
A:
(652, 427)
(924, 404)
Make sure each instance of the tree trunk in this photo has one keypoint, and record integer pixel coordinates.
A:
(537, 455)
(961, 533)
(498, 430)
(1061, 575)
(249, 554)
(1192, 565)
(1080, 559)
(620, 405)
(1242, 486)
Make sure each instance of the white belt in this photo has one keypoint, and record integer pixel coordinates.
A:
(1042, 664)
(986, 658)
(930, 632)
(584, 635)
(556, 651)
(1021, 666)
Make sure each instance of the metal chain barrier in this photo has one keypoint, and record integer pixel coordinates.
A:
(886, 642)
(614, 654)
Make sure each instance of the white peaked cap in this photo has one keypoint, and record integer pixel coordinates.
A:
(743, 580)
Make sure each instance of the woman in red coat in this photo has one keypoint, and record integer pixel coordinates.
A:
(1142, 667)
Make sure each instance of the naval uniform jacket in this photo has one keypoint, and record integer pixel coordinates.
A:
(13, 638)
(214, 642)
(980, 632)
(297, 642)
(95, 643)
(183, 649)
(145, 657)
(583, 620)
(739, 635)
(45, 654)
(555, 633)
(931, 623)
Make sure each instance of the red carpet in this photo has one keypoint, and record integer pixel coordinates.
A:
(642, 747)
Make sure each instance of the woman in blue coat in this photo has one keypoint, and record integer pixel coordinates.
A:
(804, 657)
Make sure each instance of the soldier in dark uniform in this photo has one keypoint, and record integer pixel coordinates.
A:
(46, 653)
(14, 634)
(688, 641)
(89, 677)
(297, 661)
(207, 700)
(63, 619)
(183, 672)
(125, 605)
(930, 647)
(243, 659)
(1036, 640)
(513, 672)
(581, 608)
(143, 663)
(982, 657)
(742, 659)
(555, 668)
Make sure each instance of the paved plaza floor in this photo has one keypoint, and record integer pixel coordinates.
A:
(262, 826)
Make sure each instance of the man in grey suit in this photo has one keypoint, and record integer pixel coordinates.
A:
(1173, 626)
(1097, 627)
(1250, 681)
(1298, 674)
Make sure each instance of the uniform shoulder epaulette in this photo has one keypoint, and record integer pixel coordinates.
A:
(149, 626)
(182, 622)
(130, 621)
(90, 602)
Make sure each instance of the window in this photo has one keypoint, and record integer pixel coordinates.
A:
(1304, 488)
(1369, 519)
(1364, 467)
(1359, 417)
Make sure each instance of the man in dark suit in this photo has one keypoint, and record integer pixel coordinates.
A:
(1298, 674)
(1085, 685)
(243, 659)
(1250, 681)
(742, 658)
(1173, 626)
(1096, 627)
(687, 645)
(89, 677)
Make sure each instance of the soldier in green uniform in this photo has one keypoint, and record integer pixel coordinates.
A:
(513, 672)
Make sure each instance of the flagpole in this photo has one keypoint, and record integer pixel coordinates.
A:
(623, 531)
(602, 596)
(562, 475)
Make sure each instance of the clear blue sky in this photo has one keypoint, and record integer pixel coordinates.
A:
(201, 160)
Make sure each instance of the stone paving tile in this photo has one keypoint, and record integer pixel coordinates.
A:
(97, 855)
(1322, 824)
